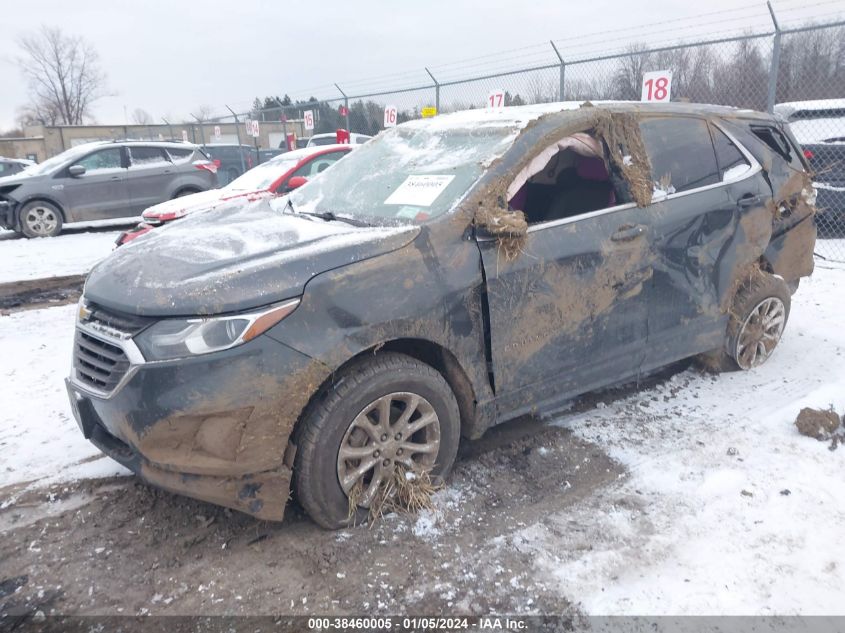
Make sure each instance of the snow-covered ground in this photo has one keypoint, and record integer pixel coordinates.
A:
(725, 509)
(39, 439)
(71, 253)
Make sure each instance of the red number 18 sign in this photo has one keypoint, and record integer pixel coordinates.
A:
(657, 85)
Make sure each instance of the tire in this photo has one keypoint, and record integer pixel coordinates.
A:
(40, 219)
(232, 173)
(337, 419)
(185, 192)
(758, 317)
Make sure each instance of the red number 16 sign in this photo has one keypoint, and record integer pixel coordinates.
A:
(657, 85)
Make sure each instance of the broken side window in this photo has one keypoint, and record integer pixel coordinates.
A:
(681, 154)
(732, 163)
(774, 139)
(566, 179)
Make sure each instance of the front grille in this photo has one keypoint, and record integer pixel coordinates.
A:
(98, 364)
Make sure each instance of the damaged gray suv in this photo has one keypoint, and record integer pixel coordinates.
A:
(450, 275)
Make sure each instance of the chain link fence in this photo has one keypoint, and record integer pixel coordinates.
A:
(798, 73)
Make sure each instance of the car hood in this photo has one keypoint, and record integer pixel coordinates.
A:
(20, 178)
(184, 205)
(231, 258)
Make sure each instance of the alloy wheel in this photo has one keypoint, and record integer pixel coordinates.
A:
(760, 333)
(400, 428)
(41, 221)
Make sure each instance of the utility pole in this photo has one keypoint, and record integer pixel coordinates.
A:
(345, 107)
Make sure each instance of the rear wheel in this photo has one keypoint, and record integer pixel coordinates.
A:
(185, 192)
(40, 219)
(385, 412)
(757, 320)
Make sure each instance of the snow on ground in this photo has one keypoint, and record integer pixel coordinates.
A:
(39, 439)
(727, 508)
(71, 253)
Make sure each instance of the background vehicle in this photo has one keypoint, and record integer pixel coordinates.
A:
(819, 126)
(11, 166)
(365, 322)
(331, 137)
(228, 157)
(100, 181)
(278, 175)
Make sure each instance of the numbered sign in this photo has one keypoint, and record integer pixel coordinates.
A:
(343, 110)
(657, 85)
(496, 99)
(390, 116)
(185, 135)
(308, 115)
(217, 132)
(255, 130)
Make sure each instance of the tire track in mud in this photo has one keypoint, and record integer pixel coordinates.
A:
(31, 294)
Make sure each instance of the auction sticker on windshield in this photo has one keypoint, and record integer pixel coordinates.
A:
(420, 191)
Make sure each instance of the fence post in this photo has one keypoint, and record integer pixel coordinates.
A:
(238, 132)
(774, 70)
(436, 91)
(202, 131)
(169, 127)
(346, 106)
(562, 69)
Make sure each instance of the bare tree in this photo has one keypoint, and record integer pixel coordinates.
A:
(141, 117)
(64, 76)
(202, 113)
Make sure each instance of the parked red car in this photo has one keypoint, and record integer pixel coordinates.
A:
(277, 176)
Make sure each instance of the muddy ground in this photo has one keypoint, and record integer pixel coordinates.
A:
(117, 546)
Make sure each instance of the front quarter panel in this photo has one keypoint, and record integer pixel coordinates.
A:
(429, 290)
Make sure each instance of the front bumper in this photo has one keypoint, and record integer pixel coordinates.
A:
(214, 427)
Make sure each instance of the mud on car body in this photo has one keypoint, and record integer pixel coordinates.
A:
(450, 275)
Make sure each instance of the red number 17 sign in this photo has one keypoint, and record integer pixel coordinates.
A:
(496, 99)
(657, 85)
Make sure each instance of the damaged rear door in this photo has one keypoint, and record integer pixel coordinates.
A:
(709, 221)
(568, 312)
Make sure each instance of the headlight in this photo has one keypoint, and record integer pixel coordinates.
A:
(178, 338)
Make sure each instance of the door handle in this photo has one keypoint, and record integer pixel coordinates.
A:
(115, 178)
(627, 233)
(747, 201)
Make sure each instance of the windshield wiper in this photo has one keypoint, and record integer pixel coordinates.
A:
(330, 216)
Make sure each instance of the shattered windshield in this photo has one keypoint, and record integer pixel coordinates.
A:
(408, 174)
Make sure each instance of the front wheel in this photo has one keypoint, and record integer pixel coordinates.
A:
(40, 219)
(384, 413)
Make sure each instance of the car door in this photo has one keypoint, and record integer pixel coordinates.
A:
(569, 313)
(697, 214)
(149, 177)
(101, 192)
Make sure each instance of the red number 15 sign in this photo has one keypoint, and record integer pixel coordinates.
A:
(657, 85)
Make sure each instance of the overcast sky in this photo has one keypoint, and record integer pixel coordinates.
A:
(168, 57)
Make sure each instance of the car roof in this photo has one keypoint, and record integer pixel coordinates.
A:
(789, 108)
(307, 152)
(520, 116)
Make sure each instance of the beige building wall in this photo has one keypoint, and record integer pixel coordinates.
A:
(47, 141)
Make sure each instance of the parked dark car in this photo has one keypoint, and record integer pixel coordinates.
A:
(232, 160)
(819, 126)
(447, 276)
(101, 181)
(12, 166)
(279, 175)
